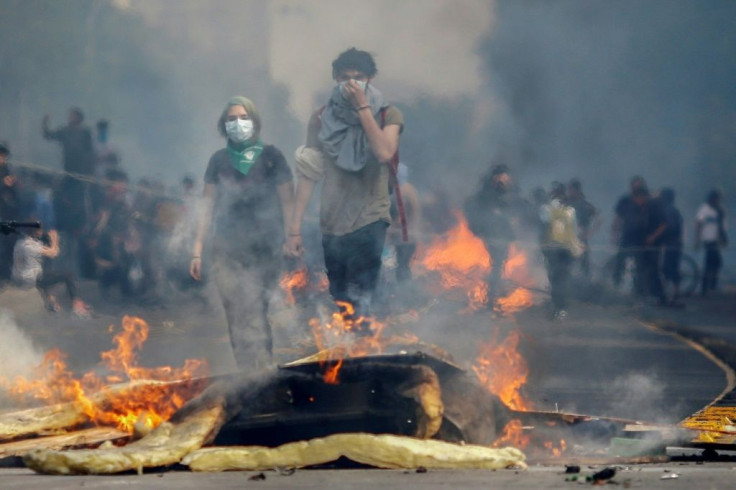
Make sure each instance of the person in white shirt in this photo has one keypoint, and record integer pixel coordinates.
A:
(710, 231)
(29, 270)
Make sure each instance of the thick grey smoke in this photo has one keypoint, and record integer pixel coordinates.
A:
(606, 90)
(18, 353)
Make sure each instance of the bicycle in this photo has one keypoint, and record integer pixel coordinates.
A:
(689, 275)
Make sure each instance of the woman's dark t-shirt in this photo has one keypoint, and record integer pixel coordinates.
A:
(248, 220)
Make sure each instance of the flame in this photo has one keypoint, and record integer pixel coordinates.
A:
(53, 382)
(463, 264)
(513, 435)
(556, 451)
(299, 281)
(519, 299)
(330, 376)
(503, 370)
(345, 334)
(291, 281)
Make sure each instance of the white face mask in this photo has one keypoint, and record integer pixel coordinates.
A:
(360, 83)
(240, 130)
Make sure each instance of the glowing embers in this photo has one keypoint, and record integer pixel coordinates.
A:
(463, 265)
(502, 369)
(147, 404)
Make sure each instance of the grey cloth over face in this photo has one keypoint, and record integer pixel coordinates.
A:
(342, 135)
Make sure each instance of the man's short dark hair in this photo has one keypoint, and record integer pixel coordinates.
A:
(499, 169)
(667, 195)
(714, 195)
(354, 59)
(4, 148)
(557, 190)
(102, 124)
(77, 112)
(576, 184)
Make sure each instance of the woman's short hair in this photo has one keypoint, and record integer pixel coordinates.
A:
(250, 108)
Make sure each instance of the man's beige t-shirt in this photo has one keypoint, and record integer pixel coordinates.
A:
(352, 200)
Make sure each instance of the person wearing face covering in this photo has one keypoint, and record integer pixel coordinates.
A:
(351, 142)
(493, 213)
(248, 193)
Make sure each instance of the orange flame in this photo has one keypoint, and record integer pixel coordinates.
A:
(300, 281)
(556, 451)
(294, 281)
(503, 370)
(54, 382)
(513, 435)
(519, 299)
(463, 263)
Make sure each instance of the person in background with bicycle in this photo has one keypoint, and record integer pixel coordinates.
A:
(638, 227)
(710, 231)
(671, 241)
(626, 232)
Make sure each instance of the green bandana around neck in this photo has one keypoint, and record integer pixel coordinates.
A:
(243, 156)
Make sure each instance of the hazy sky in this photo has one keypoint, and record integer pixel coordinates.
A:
(420, 46)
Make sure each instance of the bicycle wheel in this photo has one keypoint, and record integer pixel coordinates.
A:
(690, 276)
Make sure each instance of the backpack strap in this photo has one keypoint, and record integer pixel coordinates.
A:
(393, 166)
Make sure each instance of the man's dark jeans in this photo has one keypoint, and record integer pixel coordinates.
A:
(353, 262)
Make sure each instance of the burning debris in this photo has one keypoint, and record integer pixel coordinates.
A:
(127, 394)
(415, 397)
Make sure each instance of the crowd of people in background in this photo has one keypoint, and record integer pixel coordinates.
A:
(94, 224)
(140, 241)
(647, 229)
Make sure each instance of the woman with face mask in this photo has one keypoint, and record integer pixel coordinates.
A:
(247, 194)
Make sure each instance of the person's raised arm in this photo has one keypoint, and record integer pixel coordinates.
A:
(52, 250)
(204, 220)
(384, 142)
(47, 132)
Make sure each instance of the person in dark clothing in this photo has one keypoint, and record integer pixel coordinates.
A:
(710, 231)
(491, 213)
(588, 219)
(76, 143)
(113, 238)
(653, 226)
(627, 233)
(248, 194)
(9, 209)
(78, 158)
(671, 242)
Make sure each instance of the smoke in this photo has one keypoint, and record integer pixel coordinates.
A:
(18, 353)
(606, 90)
(439, 38)
(640, 396)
